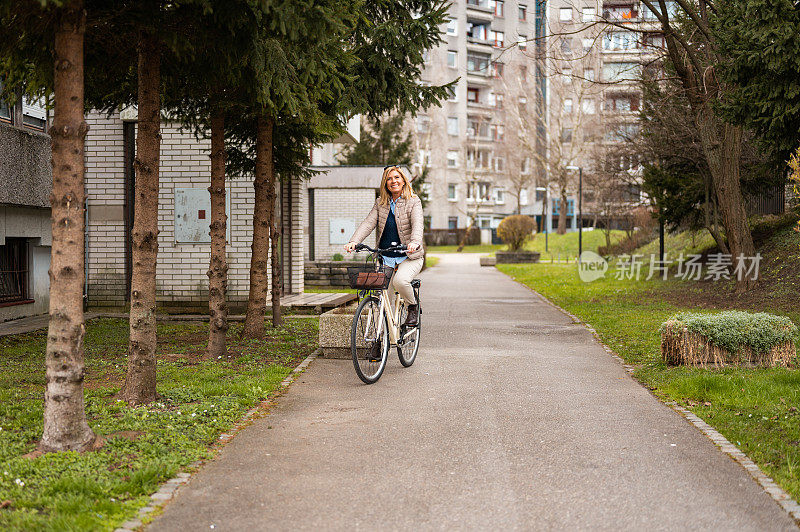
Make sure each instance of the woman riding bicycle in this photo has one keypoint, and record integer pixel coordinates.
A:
(397, 214)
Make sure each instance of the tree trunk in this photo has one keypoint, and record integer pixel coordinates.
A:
(218, 267)
(140, 382)
(65, 426)
(275, 256)
(264, 186)
(562, 213)
(722, 144)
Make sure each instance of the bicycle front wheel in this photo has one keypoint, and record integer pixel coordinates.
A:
(407, 353)
(370, 348)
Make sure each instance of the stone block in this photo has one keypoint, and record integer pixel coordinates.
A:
(488, 261)
(334, 332)
(517, 257)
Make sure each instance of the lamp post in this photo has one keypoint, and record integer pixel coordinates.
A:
(580, 208)
(544, 215)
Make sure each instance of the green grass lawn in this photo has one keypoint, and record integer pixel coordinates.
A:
(756, 409)
(559, 247)
(198, 400)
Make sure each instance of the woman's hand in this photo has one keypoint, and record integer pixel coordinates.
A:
(411, 248)
(349, 247)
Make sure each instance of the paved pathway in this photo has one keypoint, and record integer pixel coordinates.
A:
(512, 417)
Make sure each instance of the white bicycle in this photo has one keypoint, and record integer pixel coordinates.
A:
(378, 324)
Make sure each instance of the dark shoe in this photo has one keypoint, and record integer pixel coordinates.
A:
(412, 317)
(375, 352)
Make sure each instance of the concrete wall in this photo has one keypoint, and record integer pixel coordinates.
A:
(25, 184)
(26, 176)
(339, 204)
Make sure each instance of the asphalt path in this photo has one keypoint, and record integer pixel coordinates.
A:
(512, 417)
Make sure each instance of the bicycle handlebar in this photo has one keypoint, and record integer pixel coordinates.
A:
(399, 247)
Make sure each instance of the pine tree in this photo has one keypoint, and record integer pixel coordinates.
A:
(34, 32)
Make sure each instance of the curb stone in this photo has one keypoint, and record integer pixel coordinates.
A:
(783, 499)
(168, 489)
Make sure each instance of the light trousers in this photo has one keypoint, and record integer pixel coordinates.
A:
(404, 273)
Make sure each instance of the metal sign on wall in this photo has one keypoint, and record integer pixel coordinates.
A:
(341, 229)
(193, 215)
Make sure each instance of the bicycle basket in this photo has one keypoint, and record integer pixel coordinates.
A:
(366, 278)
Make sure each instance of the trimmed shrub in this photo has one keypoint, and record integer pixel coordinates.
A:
(337, 257)
(730, 337)
(515, 230)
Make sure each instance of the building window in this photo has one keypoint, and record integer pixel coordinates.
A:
(588, 106)
(654, 40)
(499, 164)
(587, 42)
(566, 135)
(588, 74)
(499, 38)
(478, 63)
(497, 7)
(452, 59)
(523, 196)
(478, 32)
(566, 46)
(620, 41)
(615, 72)
(497, 69)
(426, 56)
(473, 95)
(588, 14)
(522, 42)
(477, 159)
(452, 222)
(499, 196)
(34, 114)
(525, 166)
(498, 100)
(565, 14)
(423, 124)
(452, 192)
(452, 125)
(425, 193)
(522, 105)
(566, 75)
(14, 273)
(540, 194)
(478, 191)
(568, 106)
(522, 12)
(622, 133)
(424, 157)
(452, 27)
(624, 11)
(622, 103)
(453, 94)
(452, 159)
(497, 132)
(523, 73)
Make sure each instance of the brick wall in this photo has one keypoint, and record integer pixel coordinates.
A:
(181, 274)
(350, 203)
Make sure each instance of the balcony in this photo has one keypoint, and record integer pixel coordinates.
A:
(480, 9)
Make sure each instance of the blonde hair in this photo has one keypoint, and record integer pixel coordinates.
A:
(408, 191)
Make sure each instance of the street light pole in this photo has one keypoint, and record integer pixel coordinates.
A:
(580, 208)
(580, 212)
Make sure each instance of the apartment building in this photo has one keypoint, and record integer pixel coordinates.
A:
(597, 50)
(485, 145)
(25, 237)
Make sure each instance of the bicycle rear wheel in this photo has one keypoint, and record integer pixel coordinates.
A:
(407, 353)
(369, 360)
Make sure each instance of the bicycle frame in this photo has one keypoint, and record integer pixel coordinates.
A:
(392, 318)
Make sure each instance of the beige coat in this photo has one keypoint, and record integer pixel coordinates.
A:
(410, 223)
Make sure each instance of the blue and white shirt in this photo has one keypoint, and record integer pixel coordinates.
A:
(392, 262)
